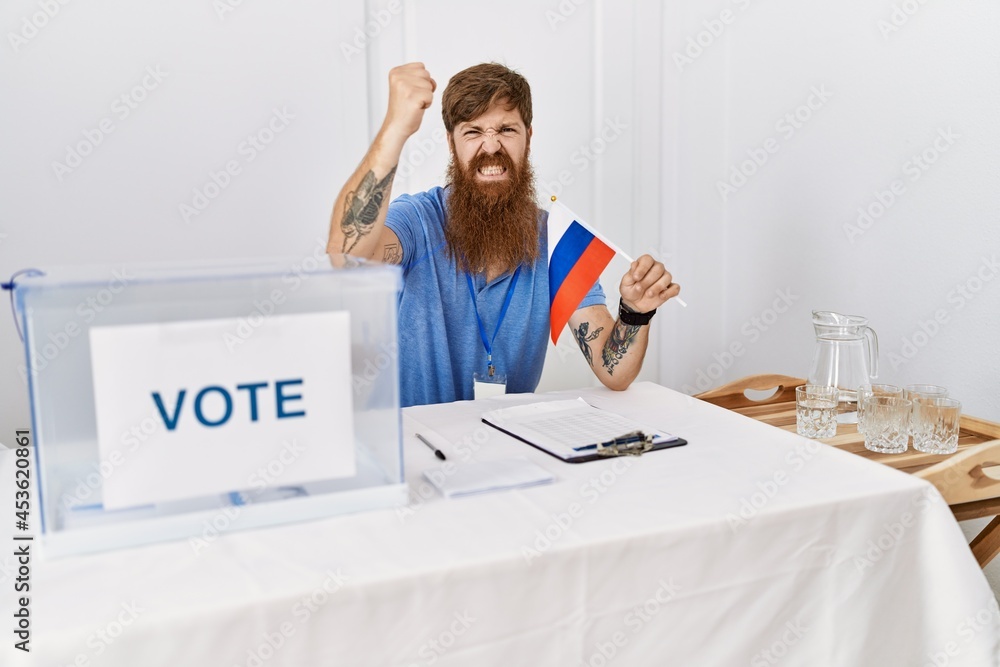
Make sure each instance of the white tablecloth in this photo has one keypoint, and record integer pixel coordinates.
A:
(748, 546)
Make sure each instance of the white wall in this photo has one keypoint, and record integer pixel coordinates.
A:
(892, 94)
(652, 188)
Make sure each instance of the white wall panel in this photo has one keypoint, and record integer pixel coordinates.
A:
(694, 143)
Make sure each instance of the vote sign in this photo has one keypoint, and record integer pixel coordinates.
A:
(272, 409)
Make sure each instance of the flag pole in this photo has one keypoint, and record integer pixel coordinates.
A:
(618, 250)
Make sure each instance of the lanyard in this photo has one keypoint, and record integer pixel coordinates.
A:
(488, 342)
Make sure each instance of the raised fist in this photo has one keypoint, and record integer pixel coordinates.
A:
(411, 91)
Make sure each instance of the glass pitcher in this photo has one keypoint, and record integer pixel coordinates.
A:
(842, 359)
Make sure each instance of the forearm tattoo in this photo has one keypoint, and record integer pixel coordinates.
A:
(622, 336)
(583, 340)
(361, 208)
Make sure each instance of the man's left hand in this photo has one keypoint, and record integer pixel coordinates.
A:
(647, 285)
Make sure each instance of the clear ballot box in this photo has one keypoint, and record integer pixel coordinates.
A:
(186, 401)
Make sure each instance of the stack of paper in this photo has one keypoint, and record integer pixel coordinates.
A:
(469, 479)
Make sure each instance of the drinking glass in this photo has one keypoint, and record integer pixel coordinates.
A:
(934, 424)
(866, 390)
(887, 424)
(924, 390)
(912, 392)
(816, 411)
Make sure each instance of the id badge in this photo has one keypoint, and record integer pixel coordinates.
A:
(486, 386)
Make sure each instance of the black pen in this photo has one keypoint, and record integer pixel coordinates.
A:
(437, 452)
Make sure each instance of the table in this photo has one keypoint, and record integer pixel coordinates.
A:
(749, 545)
(969, 479)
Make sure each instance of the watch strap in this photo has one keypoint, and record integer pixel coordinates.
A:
(631, 317)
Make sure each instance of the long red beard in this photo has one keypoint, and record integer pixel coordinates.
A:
(492, 225)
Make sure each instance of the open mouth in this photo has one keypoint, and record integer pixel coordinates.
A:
(492, 171)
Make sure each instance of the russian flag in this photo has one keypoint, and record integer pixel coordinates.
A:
(577, 256)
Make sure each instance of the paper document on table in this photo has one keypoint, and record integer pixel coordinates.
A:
(572, 429)
(482, 477)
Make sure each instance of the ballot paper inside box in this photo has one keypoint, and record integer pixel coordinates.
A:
(186, 401)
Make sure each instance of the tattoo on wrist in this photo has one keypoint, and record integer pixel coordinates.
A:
(621, 338)
(583, 339)
(361, 208)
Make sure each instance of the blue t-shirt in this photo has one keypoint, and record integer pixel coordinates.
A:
(439, 343)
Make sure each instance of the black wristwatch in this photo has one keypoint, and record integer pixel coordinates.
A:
(632, 318)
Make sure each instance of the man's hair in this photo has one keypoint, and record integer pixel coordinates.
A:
(471, 92)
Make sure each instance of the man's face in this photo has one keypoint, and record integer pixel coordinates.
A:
(493, 144)
(492, 215)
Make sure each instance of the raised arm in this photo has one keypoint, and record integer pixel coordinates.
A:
(357, 224)
(613, 348)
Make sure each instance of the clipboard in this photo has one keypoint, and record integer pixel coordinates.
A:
(573, 431)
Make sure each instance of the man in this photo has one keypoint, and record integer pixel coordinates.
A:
(474, 311)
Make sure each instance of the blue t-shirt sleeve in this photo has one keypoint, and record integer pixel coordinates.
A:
(403, 218)
(595, 297)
